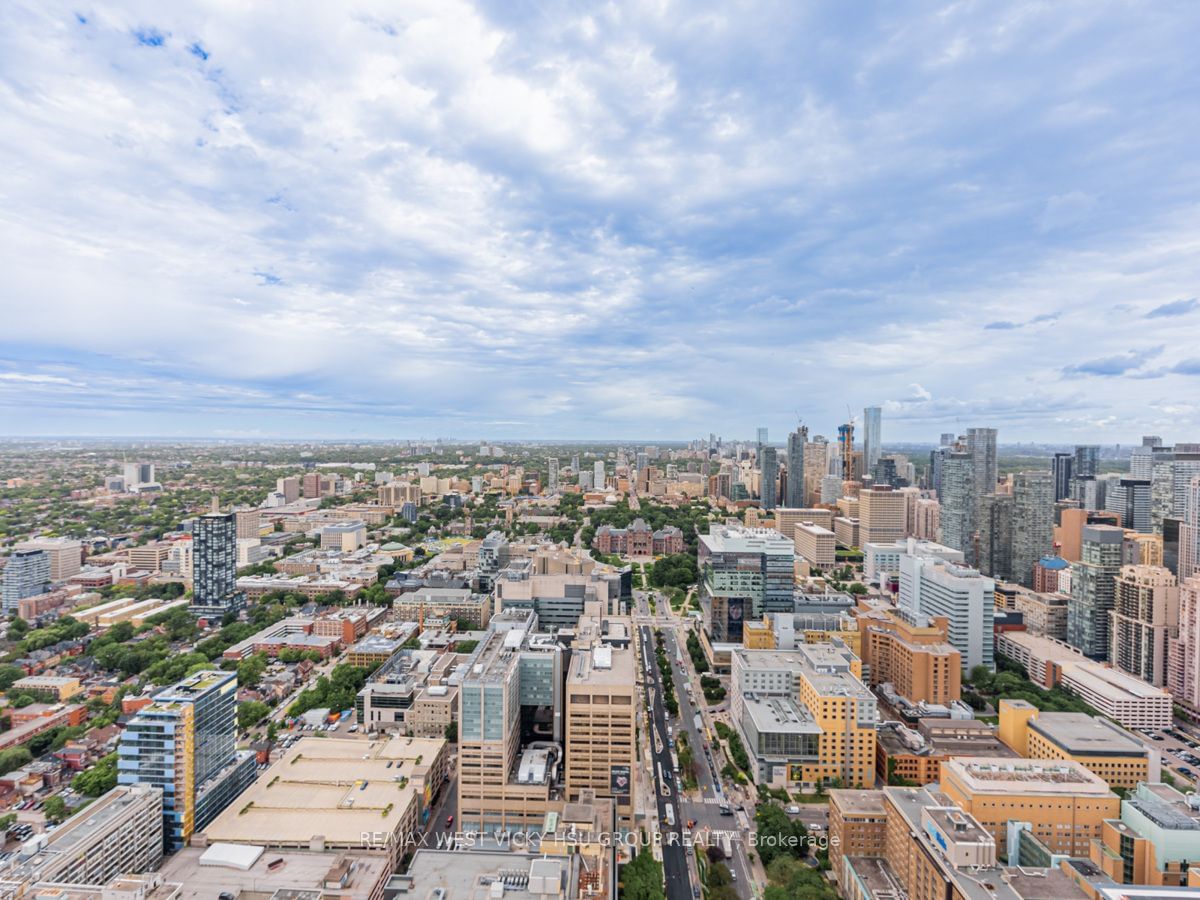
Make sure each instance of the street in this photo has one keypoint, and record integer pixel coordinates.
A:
(670, 817)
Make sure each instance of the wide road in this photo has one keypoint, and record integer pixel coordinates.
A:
(706, 810)
(675, 862)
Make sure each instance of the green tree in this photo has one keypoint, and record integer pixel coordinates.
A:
(17, 629)
(14, 758)
(642, 879)
(99, 779)
(250, 713)
(9, 675)
(452, 732)
(55, 809)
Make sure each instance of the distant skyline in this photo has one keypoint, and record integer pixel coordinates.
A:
(381, 220)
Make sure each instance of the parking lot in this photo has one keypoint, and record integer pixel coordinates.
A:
(1180, 753)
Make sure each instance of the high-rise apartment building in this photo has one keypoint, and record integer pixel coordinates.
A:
(184, 744)
(26, 574)
(65, 555)
(249, 524)
(958, 502)
(1189, 532)
(1145, 620)
(598, 480)
(816, 467)
(769, 478)
(931, 587)
(872, 431)
(1033, 522)
(1093, 590)
(981, 444)
(1174, 469)
(312, 485)
(214, 565)
(795, 468)
(1087, 457)
(846, 451)
(744, 573)
(1141, 460)
(996, 536)
(1130, 499)
(552, 476)
(1062, 470)
(289, 487)
(1183, 670)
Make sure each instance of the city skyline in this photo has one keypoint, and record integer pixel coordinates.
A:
(470, 220)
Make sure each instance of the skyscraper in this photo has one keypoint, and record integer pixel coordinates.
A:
(846, 450)
(214, 553)
(1086, 458)
(184, 743)
(1145, 618)
(1093, 589)
(1130, 499)
(769, 477)
(1033, 522)
(27, 574)
(598, 480)
(981, 444)
(1062, 468)
(996, 536)
(1183, 669)
(930, 586)
(872, 432)
(1189, 533)
(795, 468)
(552, 478)
(958, 501)
(1141, 460)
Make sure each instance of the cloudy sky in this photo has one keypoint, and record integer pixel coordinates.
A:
(593, 220)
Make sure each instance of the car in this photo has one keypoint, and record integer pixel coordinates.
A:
(1184, 770)
(793, 810)
(1156, 737)
(449, 821)
(733, 873)
(725, 810)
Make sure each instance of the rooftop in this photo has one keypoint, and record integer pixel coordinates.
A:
(858, 801)
(991, 775)
(337, 788)
(474, 875)
(301, 870)
(1083, 735)
(779, 715)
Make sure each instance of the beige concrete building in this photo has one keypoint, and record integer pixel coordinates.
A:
(787, 518)
(514, 676)
(847, 532)
(1065, 803)
(602, 712)
(1145, 619)
(65, 555)
(327, 793)
(816, 544)
(882, 515)
(248, 523)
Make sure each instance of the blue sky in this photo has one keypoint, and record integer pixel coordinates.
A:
(635, 220)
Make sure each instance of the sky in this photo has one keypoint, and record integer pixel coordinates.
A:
(599, 220)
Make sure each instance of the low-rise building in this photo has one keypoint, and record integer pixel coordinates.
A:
(1107, 750)
(372, 651)
(121, 831)
(347, 788)
(916, 754)
(1064, 803)
(53, 688)
(1155, 841)
(457, 604)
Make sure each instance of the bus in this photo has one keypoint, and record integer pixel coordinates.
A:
(727, 845)
(670, 816)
